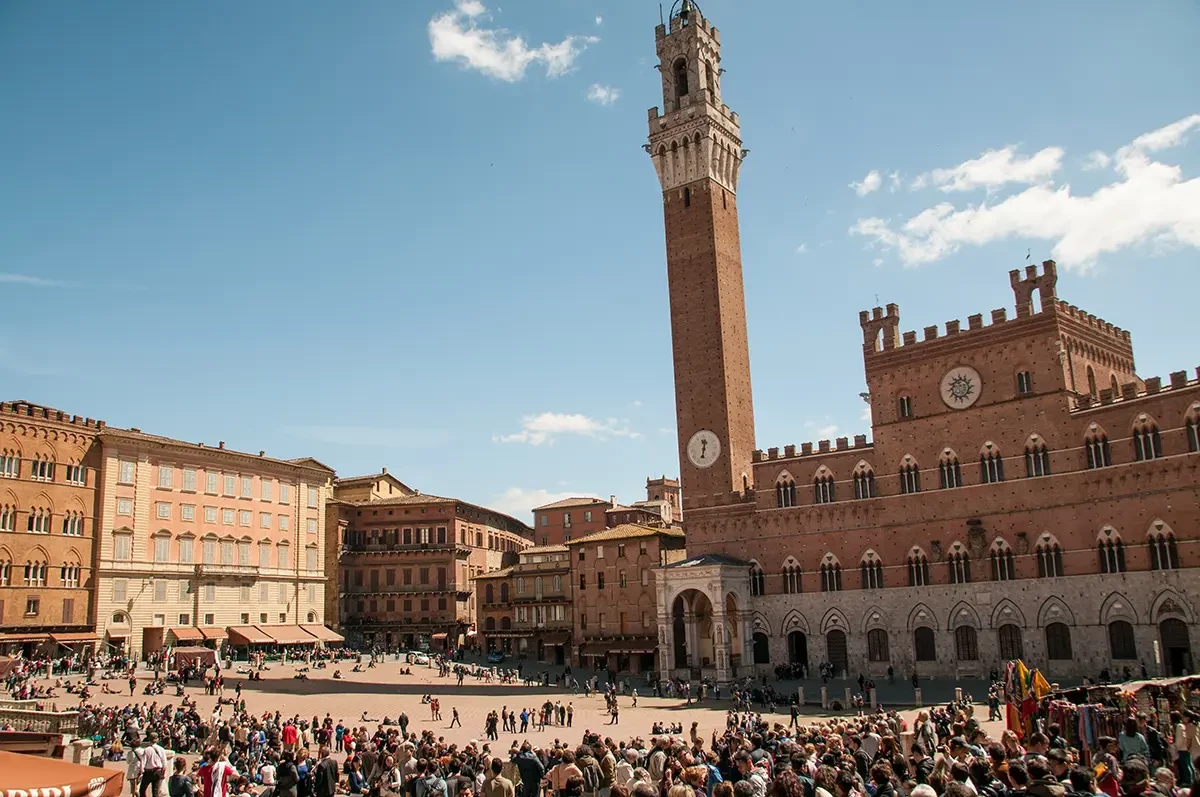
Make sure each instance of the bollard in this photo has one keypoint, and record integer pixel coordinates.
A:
(849, 697)
(800, 695)
(958, 694)
(906, 742)
(917, 697)
(825, 697)
(874, 699)
(81, 751)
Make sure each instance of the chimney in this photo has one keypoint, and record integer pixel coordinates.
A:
(384, 471)
(262, 453)
(612, 500)
(221, 444)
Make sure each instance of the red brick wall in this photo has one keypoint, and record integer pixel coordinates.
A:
(708, 332)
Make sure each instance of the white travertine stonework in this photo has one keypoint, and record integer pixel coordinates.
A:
(696, 136)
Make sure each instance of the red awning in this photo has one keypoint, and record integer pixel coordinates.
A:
(24, 637)
(73, 637)
(212, 633)
(240, 635)
(187, 633)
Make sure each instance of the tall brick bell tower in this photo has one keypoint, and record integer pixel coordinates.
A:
(697, 150)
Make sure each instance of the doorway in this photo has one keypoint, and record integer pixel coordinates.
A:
(835, 644)
(1176, 646)
(798, 648)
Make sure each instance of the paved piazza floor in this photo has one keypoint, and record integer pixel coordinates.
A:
(384, 692)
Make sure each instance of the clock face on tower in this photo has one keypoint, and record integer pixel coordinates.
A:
(703, 449)
(960, 387)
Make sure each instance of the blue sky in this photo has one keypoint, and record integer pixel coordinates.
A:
(391, 233)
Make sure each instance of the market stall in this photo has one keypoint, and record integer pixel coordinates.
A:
(197, 656)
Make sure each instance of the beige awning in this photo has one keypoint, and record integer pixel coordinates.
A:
(288, 634)
(324, 634)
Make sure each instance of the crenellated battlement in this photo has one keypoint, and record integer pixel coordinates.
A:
(1099, 325)
(1130, 391)
(806, 449)
(25, 409)
(881, 326)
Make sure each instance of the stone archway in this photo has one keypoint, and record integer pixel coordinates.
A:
(692, 624)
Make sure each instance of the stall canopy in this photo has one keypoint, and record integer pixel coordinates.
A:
(186, 633)
(24, 637)
(210, 633)
(288, 634)
(199, 655)
(30, 774)
(74, 637)
(242, 635)
(324, 634)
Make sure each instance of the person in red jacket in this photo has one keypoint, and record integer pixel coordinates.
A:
(290, 736)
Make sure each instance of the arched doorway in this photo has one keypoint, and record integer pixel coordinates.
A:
(1176, 646)
(924, 647)
(797, 648)
(692, 624)
(835, 647)
(762, 648)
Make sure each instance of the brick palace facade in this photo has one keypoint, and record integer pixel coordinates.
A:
(406, 562)
(1024, 492)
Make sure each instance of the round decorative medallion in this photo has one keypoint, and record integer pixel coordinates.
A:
(960, 387)
(703, 449)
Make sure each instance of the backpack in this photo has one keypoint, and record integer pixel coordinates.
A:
(591, 777)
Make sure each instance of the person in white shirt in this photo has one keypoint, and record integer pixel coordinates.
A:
(152, 761)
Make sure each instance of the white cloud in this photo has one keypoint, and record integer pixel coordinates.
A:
(893, 182)
(1096, 160)
(1149, 201)
(548, 426)
(826, 432)
(457, 35)
(599, 20)
(637, 402)
(869, 183)
(519, 502)
(877, 262)
(802, 249)
(993, 169)
(866, 414)
(665, 430)
(29, 280)
(603, 95)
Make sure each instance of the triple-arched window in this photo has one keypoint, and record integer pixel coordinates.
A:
(918, 568)
(960, 567)
(758, 580)
(871, 571)
(1004, 566)
(1037, 458)
(791, 577)
(991, 465)
(1111, 551)
(949, 471)
(1049, 557)
(1147, 443)
(831, 576)
(864, 483)
(785, 491)
(1164, 554)
(823, 492)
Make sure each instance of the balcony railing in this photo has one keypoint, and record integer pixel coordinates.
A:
(403, 589)
(400, 547)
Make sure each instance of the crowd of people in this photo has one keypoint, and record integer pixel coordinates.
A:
(235, 751)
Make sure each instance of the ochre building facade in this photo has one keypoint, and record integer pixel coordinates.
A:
(1024, 492)
(196, 540)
